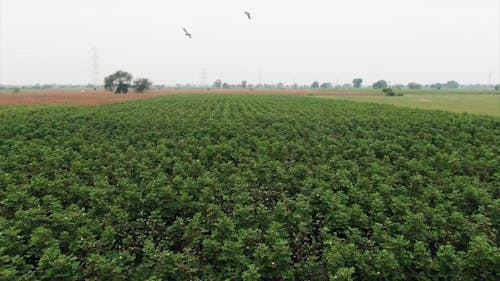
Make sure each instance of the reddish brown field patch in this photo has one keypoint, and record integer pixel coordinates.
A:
(93, 98)
(75, 97)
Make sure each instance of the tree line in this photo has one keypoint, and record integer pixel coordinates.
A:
(357, 83)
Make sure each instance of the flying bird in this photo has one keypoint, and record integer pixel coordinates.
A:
(187, 33)
(248, 15)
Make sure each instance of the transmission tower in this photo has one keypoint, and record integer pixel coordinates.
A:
(94, 64)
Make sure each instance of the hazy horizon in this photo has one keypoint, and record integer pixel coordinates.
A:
(291, 41)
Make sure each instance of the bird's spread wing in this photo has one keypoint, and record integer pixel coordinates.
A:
(187, 33)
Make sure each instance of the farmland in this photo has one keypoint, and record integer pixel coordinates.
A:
(482, 103)
(460, 101)
(247, 187)
(86, 97)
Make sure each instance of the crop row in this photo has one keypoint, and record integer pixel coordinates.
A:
(214, 187)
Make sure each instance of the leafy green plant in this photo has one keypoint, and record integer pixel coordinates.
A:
(389, 92)
(253, 187)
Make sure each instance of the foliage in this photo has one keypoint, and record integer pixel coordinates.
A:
(437, 86)
(142, 84)
(326, 85)
(497, 87)
(118, 82)
(452, 84)
(220, 187)
(244, 84)
(414, 85)
(217, 83)
(315, 85)
(122, 88)
(389, 92)
(357, 82)
(449, 85)
(381, 84)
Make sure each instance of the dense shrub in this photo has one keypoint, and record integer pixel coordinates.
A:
(389, 92)
(247, 188)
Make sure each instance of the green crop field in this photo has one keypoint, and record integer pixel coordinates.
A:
(482, 103)
(223, 187)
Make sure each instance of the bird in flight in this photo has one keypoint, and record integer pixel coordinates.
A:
(248, 15)
(187, 33)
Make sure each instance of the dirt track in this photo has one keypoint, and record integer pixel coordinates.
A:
(92, 98)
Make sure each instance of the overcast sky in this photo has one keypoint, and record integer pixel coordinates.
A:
(49, 41)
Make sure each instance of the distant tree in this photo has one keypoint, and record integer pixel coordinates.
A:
(315, 85)
(225, 85)
(326, 85)
(244, 84)
(218, 83)
(452, 84)
(142, 84)
(381, 84)
(357, 82)
(280, 85)
(118, 81)
(414, 85)
(497, 87)
(437, 86)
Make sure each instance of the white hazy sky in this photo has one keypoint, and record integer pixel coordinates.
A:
(49, 41)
